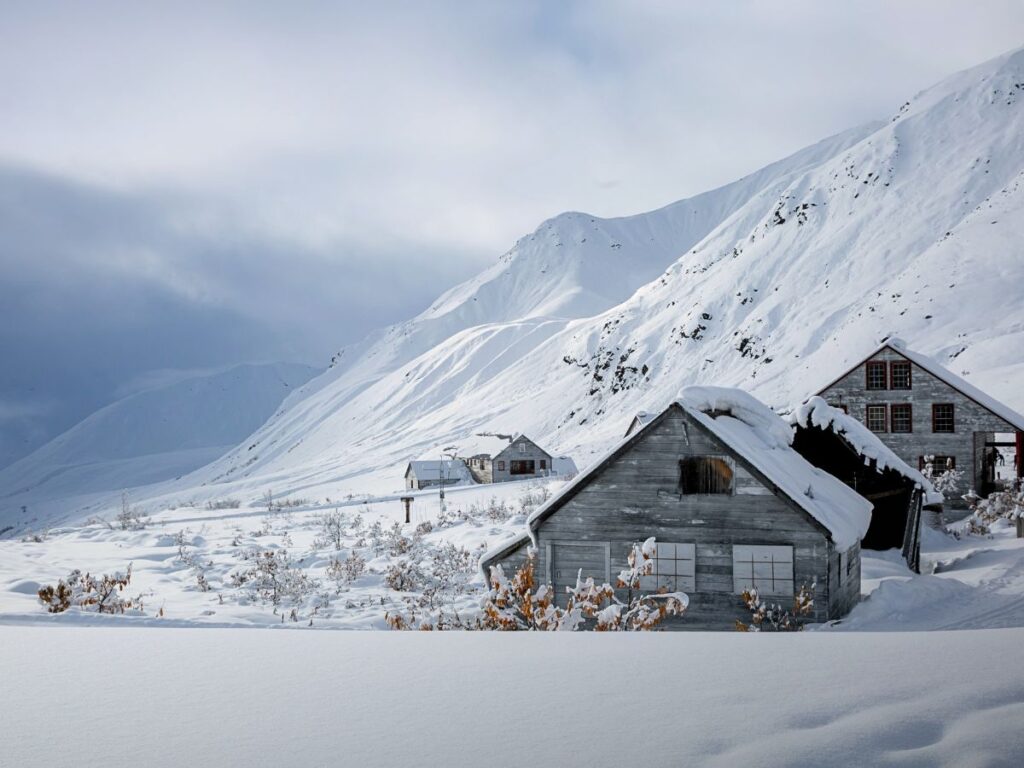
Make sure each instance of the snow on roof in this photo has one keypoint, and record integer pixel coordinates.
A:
(986, 401)
(481, 444)
(762, 438)
(816, 412)
(427, 470)
(642, 419)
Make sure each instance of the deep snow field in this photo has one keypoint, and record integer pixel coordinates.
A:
(873, 689)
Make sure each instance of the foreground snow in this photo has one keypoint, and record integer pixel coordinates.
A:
(114, 697)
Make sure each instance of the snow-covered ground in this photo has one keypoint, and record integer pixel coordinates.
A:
(84, 697)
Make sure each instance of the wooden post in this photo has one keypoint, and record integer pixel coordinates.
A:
(407, 500)
(1020, 527)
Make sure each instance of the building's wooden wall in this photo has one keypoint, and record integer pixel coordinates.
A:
(971, 421)
(636, 497)
(533, 453)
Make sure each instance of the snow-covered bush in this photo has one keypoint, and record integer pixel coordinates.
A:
(1001, 505)
(216, 504)
(272, 577)
(102, 595)
(344, 572)
(532, 499)
(772, 617)
(129, 518)
(404, 575)
(944, 478)
(519, 604)
(332, 527)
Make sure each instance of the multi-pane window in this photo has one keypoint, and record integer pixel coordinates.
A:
(901, 418)
(522, 447)
(765, 568)
(933, 466)
(673, 569)
(876, 374)
(899, 374)
(705, 474)
(875, 418)
(942, 417)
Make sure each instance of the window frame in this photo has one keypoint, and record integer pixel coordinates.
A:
(771, 555)
(910, 418)
(922, 465)
(501, 466)
(876, 365)
(885, 418)
(892, 375)
(952, 419)
(727, 460)
(674, 568)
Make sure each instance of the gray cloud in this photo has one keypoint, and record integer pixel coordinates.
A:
(192, 185)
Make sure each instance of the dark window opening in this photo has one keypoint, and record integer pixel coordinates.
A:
(876, 374)
(942, 417)
(901, 418)
(704, 474)
(543, 464)
(899, 374)
(523, 467)
(501, 466)
(933, 466)
(875, 420)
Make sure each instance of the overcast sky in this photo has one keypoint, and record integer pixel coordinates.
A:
(192, 185)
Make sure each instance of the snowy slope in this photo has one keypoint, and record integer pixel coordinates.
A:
(773, 283)
(146, 437)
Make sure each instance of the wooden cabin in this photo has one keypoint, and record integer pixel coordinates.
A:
(715, 480)
(834, 441)
(431, 474)
(920, 409)
(500, 458)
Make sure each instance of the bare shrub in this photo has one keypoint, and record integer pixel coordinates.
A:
(404, 575)
(102, 595)
(345, 572)
(223, 504)
(129, 518)
(332, 527)
(272, 577)
(772, 617)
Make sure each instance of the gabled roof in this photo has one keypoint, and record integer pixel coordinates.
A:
(642, 419)
(523, 437)
(762, 440)
(815, 412)
(964, 387)
(430, 470)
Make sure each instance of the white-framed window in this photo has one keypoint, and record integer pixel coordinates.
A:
(769, 569)
(522, 447)
(673, 569)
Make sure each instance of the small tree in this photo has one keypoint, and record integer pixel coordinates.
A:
(130, 518)
(102, 595)
(332, 528)
(772, 617)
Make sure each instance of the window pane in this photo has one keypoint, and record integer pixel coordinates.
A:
(876, 375)
(876, 418)
(900, 374)
(942, 417)
(901, 418)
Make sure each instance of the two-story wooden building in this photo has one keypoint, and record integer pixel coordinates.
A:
(499, 458)
(920, 409)
(714, 479)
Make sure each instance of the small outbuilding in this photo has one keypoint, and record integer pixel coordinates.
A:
(834, 441)
(715, 480)
(431, 474)
(500, 458)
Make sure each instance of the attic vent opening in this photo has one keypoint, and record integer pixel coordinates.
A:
(704, 475)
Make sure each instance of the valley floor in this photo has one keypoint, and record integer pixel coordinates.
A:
(85, 697)
(81, 689)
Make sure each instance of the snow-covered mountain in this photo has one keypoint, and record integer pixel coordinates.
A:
(149, 436)
(773, 283)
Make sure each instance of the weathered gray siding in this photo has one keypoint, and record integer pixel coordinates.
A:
(971, 420)
(635, 496)
(530, 452)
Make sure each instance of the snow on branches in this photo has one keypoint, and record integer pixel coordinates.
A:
(99, 595)
(518, 603)
(772, 617)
